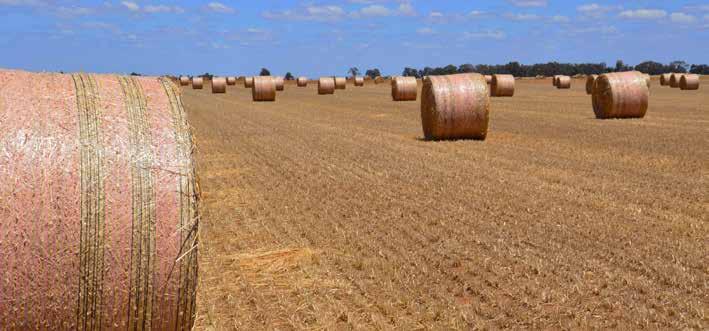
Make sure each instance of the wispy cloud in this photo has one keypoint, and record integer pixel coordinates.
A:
(485, 34)
(682, 18)
(529, 3)
(218, 7)
(327, 13)
(643, 14)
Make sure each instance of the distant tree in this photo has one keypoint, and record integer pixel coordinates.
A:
(289, 76)
(678, 66)
(373, 73)
(135, 74)
(354, 71)
(651, 67)
(411, 72)
(466, 68)
(265, 72)
(620, 66)
(207, 76)
(699, 69)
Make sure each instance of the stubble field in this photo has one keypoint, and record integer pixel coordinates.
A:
(331, 212)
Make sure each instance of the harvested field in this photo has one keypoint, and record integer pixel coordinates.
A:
(333, 213)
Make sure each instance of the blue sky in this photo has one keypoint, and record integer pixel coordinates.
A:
(327, 37)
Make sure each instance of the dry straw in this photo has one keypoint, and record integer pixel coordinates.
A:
(302, 81)
(264, 88)
(378, 80)
(502, 86)
(184, 80)
(674, 80)
(280, 84)
(326, 85)
(620, 95)
(340, 83)
(99, 229)
(219, 85)
(197, 83)
(689, 82)
(455, 107)
(563, 82)
(648, 79)
(590, 79)
(231, 80)
(404, 88)
(359, 81)
(488, 79)
(248, 82)
(665, 79)
(555, 80)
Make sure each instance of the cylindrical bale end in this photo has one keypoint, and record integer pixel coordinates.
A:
(302, 81)
(665, 79)
(326, 85)
(248, 82)
(184, 80)
(488, 79)
(590, 79)
(563, 82)
(231, 80)
(502, 86)
(620, 95)
(359, 81)
(340, 83)
(264, 88)
(197, 83)
(404, 88)
(689, 82)
(674, 80)
(455, 107)
(219, 84)
(280, 83)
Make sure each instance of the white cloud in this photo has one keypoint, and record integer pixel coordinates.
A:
(406, 9)
(426, 31)
(328, 13)
(132, 6)
(375, 10)
(163, 9)
(644, 14)
(485, 34)
(219, 7)
(595, 10)
(529, 3)
(682, 18)
(560, 19)
(522, 17)
(476, 13)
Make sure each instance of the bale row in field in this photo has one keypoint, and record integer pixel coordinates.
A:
(455, 107)
(264, 88)
(249, 82)
(689, 82)
(326, 85)
(404, 88)
(563, 82)
(280, 83)
(231, 80)
(99, 204)
(590, 80)
(665, 79)
(197, 83)
(219, 84)
(340, 83)
(620, 95)
(184, 80)
(502, 86)
(359, 81)
(302, 81)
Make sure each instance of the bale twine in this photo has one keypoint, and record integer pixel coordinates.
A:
(674, 80)
(502, 86)
(665, 79)
(302, 81)
(184, 80)
(248, 82)
(488, 79)
(197, 83)
(326, 85)
(404, 88)
(563, 82)
(359, 81)
(219, 85)
(455, 107)
(689, 82)
(280, 84)
(99, 204)
(264, 88)
(589, 83)
(620, 95)
(231, 80)
(340, 83)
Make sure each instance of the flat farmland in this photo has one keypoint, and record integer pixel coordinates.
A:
(331, 212)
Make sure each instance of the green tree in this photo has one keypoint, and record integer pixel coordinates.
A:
(354, 71)
(289, 76)
(265, 72)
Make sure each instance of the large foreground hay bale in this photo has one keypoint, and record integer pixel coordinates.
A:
(674, 80)
(404, 88)
(264, 88)
(359, 81)
(248, 82)
(231, 80)
(99, 204)
(326, 85)
(302, 81)
(219, 85)
(197, 83)
(563, 82)
(502, 86)
(455, 107)
(280, 83)
(665, 79)
(689, 82)
(340, 83)
(590, 80)
(184, 80)
(620, 95)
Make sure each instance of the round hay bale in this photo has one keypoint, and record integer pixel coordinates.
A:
(689, 82)
(231, 80)
(219, 85)
(359, 81)
(620, 95)
(589, 83)
(378, 80)
(455, 107)
(99, 203)
(302, 81)
(404, 88)
(665, 79)
(340, 83)
(248, 82)
(555, 80)
(674, 80)
(184, 80)
(197, 83)
(280, 84)
(326, 85)
(648, 79)
(563, 82)
(488, 79)
(264, 88)
(502, 86)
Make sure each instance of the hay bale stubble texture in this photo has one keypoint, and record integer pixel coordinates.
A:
(620, 95)
(197, 83)
(563, 82)
(455, 107)
(404, 88)
(248, 82)
(502, 86)
(264, 88)
(219, 84)
(326, 85)
(590, 80)
(99, 204)
(340, 83)
(359, 81)
(689, 82)
(302, 81)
